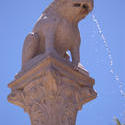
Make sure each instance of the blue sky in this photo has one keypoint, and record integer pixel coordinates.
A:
(17, 18)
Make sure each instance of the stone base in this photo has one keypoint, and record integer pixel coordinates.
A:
(51, 91)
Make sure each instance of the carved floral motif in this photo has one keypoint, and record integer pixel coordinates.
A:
(51, 99)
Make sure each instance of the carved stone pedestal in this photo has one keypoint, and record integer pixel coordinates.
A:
(52, 92)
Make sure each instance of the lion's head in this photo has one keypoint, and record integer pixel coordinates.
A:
(74, 9)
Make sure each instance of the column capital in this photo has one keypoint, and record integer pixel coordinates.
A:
(51, 91)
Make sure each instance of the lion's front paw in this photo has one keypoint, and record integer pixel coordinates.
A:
(75, 64)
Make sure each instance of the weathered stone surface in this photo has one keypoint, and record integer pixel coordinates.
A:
(56, 31)
(49, 87)
(51, 91)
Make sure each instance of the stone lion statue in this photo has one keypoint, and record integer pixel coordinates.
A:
(56, 31)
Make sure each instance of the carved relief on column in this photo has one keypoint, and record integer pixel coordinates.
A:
(52, 97)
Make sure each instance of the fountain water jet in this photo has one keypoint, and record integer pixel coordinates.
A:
(116, 77)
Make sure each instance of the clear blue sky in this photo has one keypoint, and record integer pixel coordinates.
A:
(17, 18)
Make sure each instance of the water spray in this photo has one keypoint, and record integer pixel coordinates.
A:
(116, 77)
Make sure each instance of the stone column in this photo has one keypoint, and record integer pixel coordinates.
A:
(52, 92)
